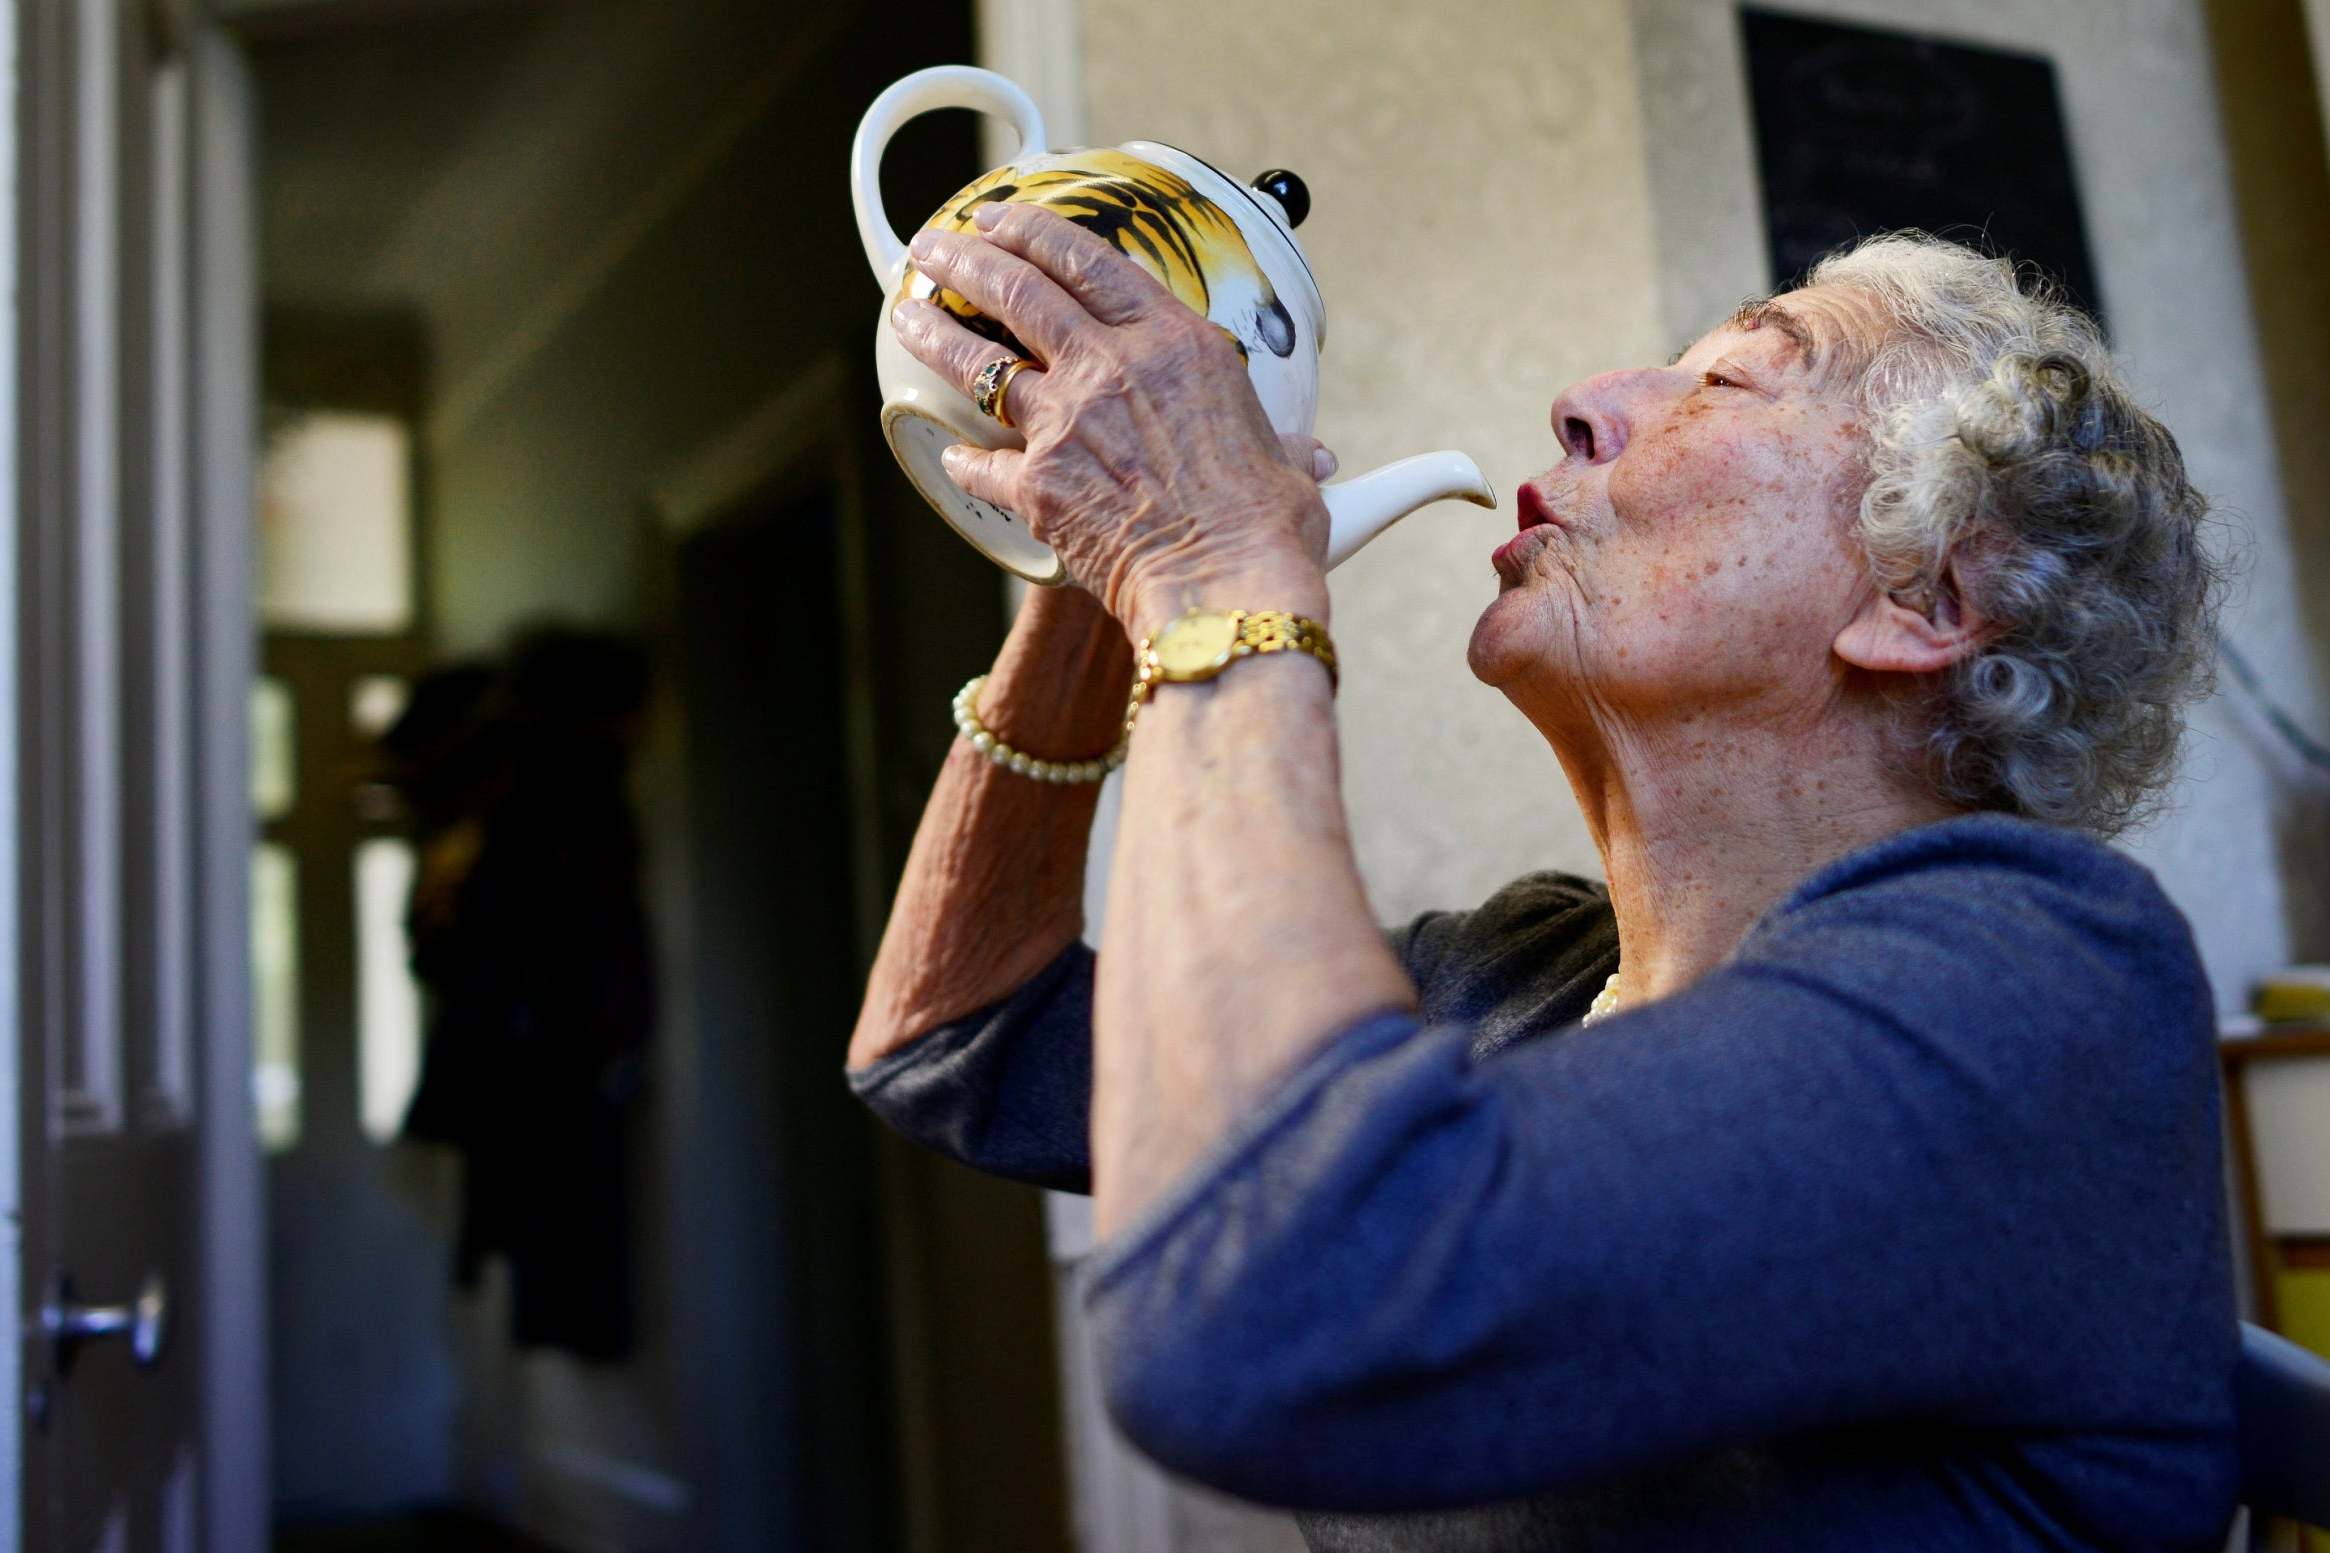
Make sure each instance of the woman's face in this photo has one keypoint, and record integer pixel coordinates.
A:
(1693, 548)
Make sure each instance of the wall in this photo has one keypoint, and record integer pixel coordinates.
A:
(1508, 197)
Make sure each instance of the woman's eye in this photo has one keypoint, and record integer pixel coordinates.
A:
(1718, 380)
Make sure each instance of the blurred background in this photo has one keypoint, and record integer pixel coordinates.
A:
(484, 670)
(591, 604)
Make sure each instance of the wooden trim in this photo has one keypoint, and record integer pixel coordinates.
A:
(2242, 1141)
(2275, 1045)
(2267, 1256)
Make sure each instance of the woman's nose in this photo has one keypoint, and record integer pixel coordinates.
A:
(1589, 420)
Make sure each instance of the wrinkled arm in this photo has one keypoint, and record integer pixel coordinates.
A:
(1213, 1007)
(994, 886)
(1239, 937)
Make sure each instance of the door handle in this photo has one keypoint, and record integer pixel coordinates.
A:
(144, 1321)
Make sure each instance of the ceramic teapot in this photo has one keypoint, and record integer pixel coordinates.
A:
(1225, 248)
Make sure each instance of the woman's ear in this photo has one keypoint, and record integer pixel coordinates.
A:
(1893, 635)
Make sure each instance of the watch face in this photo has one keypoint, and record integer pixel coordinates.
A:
(1197, 643)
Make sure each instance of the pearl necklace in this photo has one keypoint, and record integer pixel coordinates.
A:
(1605, 1001)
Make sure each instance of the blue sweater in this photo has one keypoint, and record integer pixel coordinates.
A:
(1901, 1231)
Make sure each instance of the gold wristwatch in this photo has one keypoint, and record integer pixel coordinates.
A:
(1203, 642)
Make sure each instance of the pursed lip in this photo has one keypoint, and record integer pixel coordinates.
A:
(1534, 507)
(1510, 558)
(1536, 513)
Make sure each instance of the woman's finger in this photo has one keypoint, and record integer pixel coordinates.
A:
(1111, 287)
(1309, 453)
(935, 338)
(1005, 287)
(991, 474)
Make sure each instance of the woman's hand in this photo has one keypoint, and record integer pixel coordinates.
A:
(1150, 466)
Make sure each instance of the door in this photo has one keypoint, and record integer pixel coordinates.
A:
(122, 744)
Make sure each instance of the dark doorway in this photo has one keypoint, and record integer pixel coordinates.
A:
(759, 676)
(590, 214)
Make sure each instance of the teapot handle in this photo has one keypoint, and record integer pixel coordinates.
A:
(941, 86)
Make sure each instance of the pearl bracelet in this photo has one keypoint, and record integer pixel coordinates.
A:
(984, 741)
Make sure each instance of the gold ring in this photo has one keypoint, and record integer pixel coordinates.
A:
(993, 382)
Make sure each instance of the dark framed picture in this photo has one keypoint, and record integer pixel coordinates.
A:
(1861, 129)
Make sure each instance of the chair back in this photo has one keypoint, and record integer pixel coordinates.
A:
(2283, 1394)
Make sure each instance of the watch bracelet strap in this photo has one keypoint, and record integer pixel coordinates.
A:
(1275, 630)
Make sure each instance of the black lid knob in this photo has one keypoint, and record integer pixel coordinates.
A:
(1292, 194)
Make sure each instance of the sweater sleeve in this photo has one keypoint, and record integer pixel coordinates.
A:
(1008, 1090)
(1885, 1165)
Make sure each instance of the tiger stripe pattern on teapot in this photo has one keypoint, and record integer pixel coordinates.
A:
(1152, 216)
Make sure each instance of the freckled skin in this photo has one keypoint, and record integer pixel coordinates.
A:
(1705, 473)
(1680, 636)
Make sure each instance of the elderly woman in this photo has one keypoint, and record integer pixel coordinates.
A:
(1842, 1174)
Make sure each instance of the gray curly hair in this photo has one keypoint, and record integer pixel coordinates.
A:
(2008, 460)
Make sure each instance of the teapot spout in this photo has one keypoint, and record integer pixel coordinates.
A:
(1365, 505)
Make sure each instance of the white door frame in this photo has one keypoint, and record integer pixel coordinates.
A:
(223, 395)
(235, 1499)
(11, 1202)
